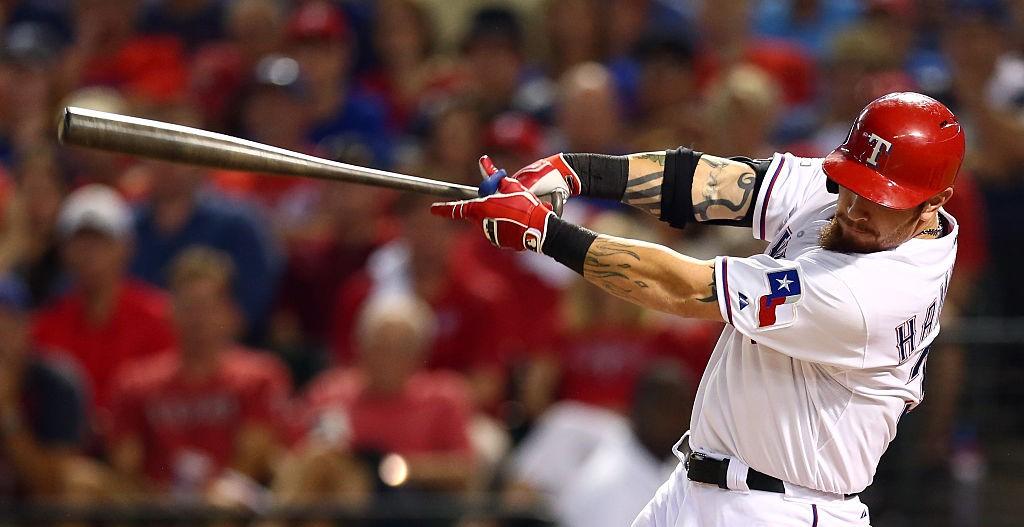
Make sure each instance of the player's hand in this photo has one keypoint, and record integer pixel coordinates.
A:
(542, 177)
(512, 218)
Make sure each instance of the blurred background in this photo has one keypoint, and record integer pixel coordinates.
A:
(182, 346)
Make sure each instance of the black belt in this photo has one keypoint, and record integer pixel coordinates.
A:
(704, 469)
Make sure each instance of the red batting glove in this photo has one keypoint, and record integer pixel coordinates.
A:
(549, 175)
(512, 218)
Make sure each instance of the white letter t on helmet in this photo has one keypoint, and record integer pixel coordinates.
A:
(879, 143)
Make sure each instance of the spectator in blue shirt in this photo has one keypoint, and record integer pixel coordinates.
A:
(178, 215)
(348, 123)
(808, 23)
(42, 408)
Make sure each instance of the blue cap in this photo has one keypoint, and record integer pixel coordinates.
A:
(13, 294)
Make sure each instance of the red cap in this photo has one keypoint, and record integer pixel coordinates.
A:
(319, 20)
(516, 133)
(903, 149)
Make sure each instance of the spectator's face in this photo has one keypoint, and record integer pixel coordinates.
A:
(95, 259)
(399, 36)
(274, 117)
(350, 206)
(170, 180)
(204, 315)
(102, 23)
(456, 144)
(24, 93)
(14, 344)
(846, 98)
(429, 237)
(590, 119)
(726, 22)
(665, 82)
(324, 63)
(581, 44)
(496, 64)
(973, 46)
(256, 26)
(626, 22)
(391, 353)
(42, 193)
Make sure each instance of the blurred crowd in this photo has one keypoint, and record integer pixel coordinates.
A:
(175, 333)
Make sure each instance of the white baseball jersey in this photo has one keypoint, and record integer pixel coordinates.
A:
(823, 351)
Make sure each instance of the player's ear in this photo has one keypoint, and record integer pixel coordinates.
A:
(935, 202)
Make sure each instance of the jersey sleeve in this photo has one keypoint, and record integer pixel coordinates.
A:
(797, 308)
(790, 183)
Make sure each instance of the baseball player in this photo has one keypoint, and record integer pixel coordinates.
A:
(827, 333)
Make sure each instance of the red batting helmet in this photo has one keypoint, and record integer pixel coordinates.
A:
(903, 149)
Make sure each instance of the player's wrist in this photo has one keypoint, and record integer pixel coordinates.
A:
(600, 176)
(567, 243)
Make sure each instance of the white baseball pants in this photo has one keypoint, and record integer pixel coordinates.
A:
(684, 503)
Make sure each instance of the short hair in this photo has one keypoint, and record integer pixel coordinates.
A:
(497, 24)
(664, 44)
(407, 308)
(198, 263)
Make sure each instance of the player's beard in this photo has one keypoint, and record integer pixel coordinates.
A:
(835, 236)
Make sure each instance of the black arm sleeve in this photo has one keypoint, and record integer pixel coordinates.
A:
(568, 244)
(600, 176)
(677, 187)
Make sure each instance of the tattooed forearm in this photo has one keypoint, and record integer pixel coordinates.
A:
(654, 157)
(652, 276)
(713, 294)
(643, 189)
(722, 189)
(609, 264)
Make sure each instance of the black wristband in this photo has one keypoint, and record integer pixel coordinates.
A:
(676, 187)
(567, 243)
(600, 176)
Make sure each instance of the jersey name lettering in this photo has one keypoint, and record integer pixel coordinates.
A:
(905, 334)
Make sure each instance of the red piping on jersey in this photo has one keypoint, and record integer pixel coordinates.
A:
(768, 194)
(725, 288)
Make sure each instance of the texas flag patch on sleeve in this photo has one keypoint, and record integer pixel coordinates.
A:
(777, 308)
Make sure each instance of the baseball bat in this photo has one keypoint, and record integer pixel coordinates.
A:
(183, 144)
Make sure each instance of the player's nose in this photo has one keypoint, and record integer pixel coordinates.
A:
(858, 210)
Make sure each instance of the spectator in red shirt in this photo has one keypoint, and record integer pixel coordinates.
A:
(106, 319)
(607, 343)
(393, 406)
(219, 70)
(436, 263)
(206, 413)
(109, 51)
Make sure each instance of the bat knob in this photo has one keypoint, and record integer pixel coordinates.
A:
(558, 199)
(490, 184)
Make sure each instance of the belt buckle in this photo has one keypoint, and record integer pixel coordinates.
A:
(698, 456)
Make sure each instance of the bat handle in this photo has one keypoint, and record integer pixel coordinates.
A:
(558, 199)
(493, 175)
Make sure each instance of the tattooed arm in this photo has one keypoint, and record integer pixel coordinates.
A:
(722, 190)
(643, 185)
(653, 276)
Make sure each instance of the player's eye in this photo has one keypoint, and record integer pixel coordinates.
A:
(831, 186)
